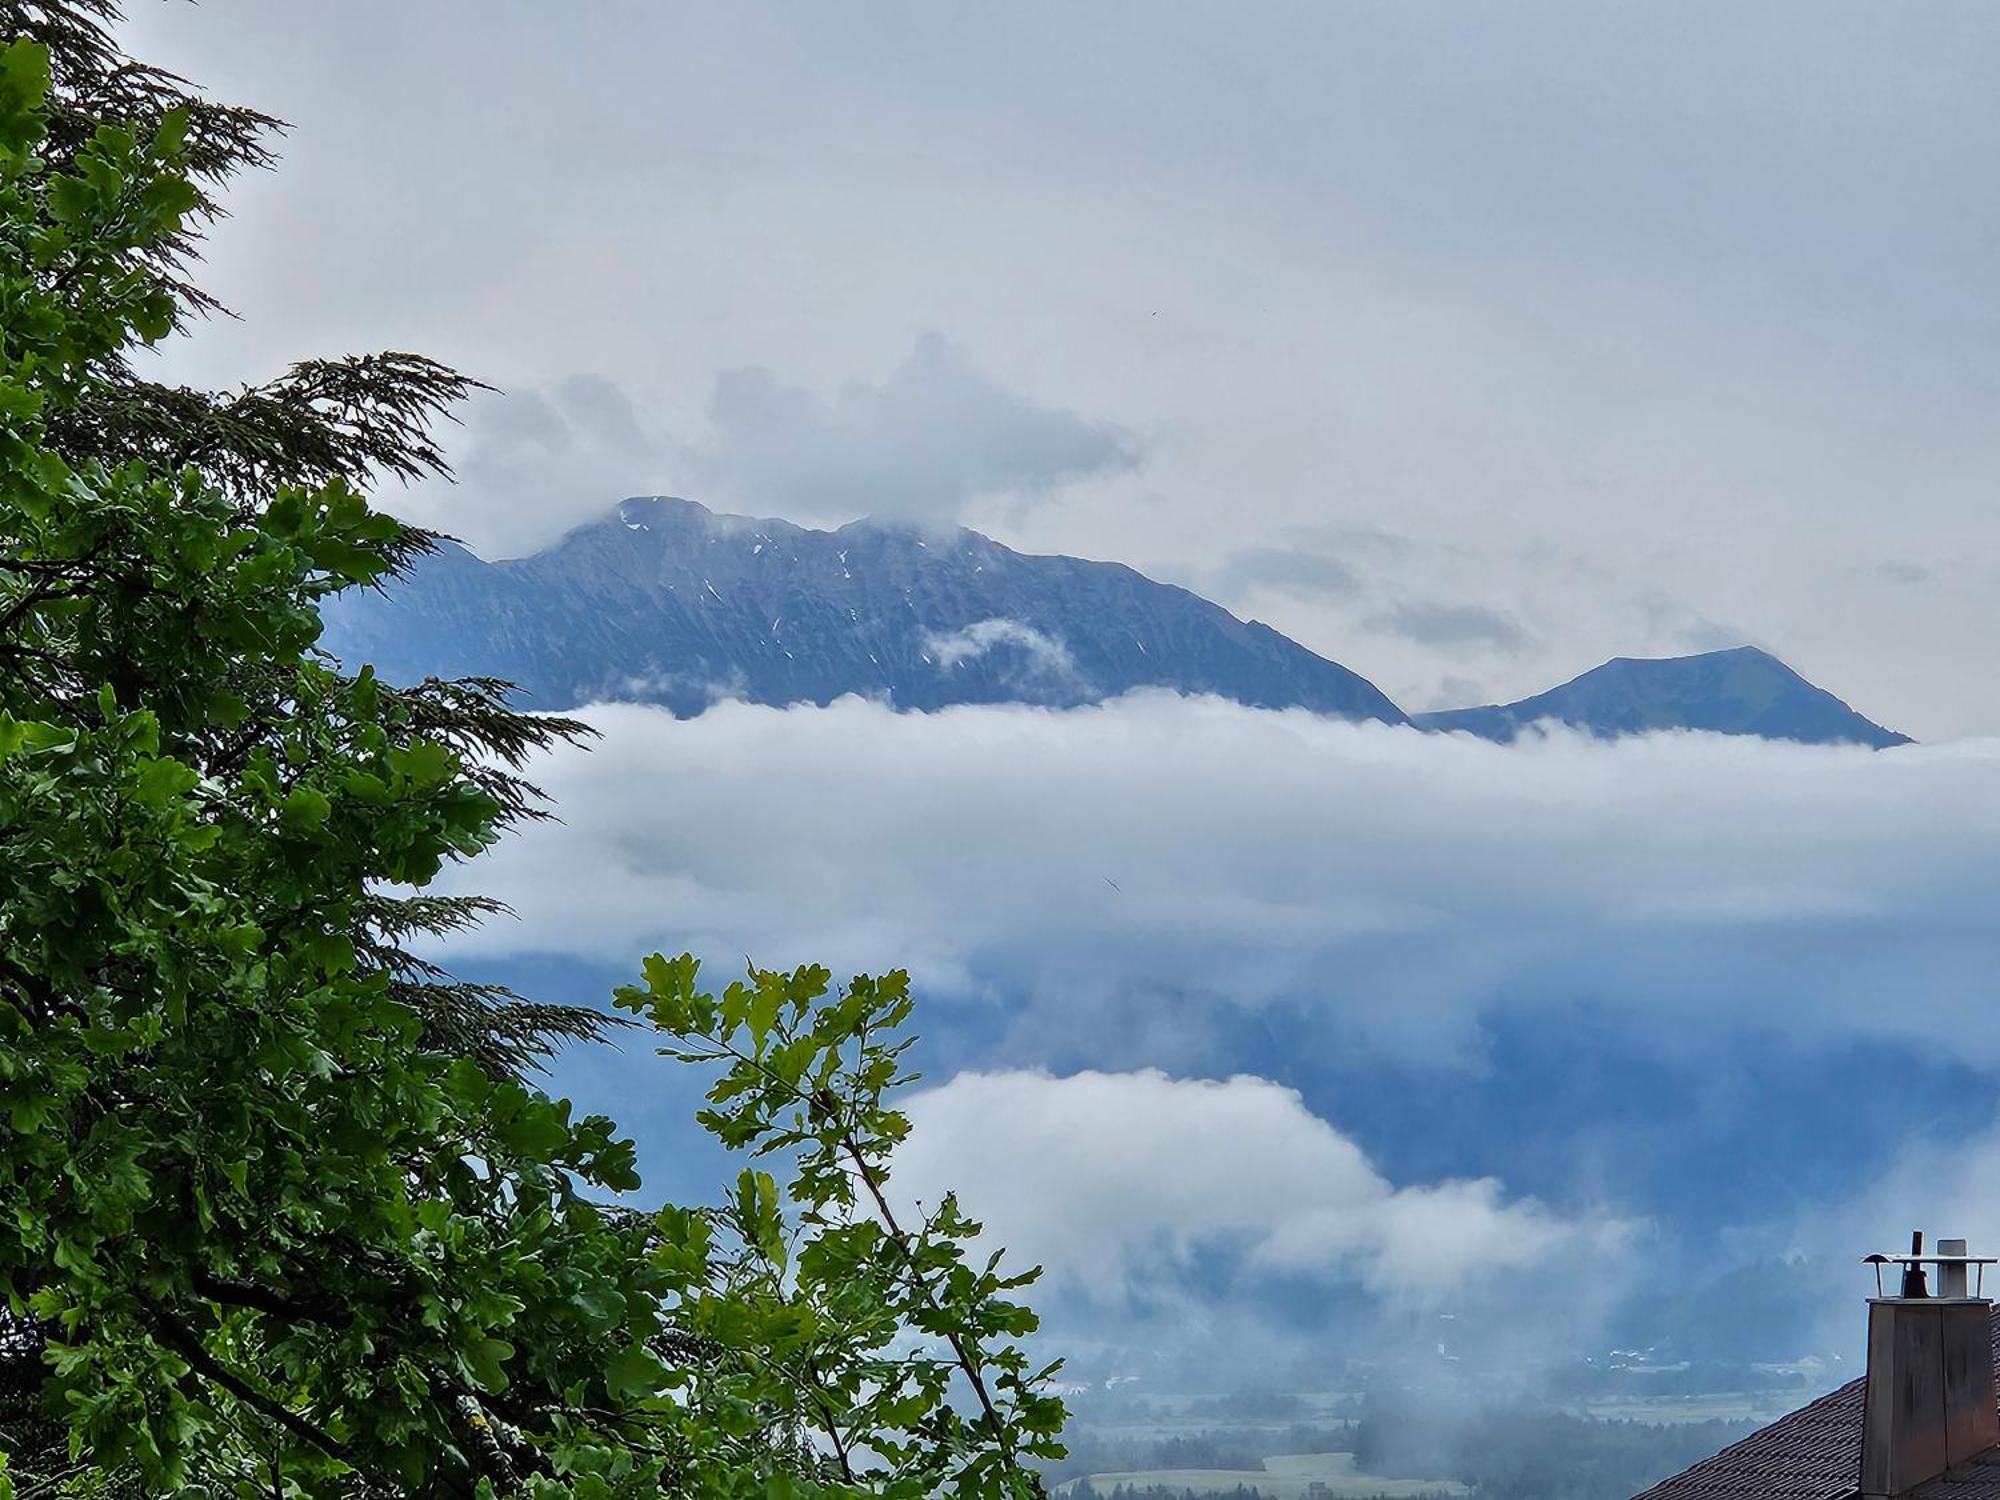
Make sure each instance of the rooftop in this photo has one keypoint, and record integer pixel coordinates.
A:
(1815, 1454)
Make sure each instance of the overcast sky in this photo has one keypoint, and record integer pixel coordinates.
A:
(1470, 344)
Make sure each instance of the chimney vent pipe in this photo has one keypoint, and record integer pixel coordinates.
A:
(1913, 1271)
(1951, 1272)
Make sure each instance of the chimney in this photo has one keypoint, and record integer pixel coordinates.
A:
(1930, 1403)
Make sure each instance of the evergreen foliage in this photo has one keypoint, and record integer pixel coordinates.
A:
(284, 1211)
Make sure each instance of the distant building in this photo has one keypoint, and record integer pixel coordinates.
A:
(1922, 1424)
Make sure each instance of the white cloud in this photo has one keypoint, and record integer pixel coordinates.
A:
(934, 435)
(921, 445)
(976, 640)
(1133, 1173)
(534, 462)
(1393, 884)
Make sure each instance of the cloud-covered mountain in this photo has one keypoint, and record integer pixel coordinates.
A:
(1740, 691)
(665, 602)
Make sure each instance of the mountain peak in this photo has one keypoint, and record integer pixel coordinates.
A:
(662, 600)
(1694, 660)
(1741, 690)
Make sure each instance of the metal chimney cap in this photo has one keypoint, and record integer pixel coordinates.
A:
(1930, 1260)
(1912, 1263)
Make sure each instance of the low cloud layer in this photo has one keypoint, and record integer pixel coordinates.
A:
(1391, 884)
(1134, 1174)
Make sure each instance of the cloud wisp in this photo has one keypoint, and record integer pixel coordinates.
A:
(1451, 625)
(1043, 652)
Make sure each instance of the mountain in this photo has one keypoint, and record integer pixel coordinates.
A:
(1743, 691)
(664, 601)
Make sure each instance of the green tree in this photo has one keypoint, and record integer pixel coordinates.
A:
(355, 418)
(799, 1306)
(283, 1207)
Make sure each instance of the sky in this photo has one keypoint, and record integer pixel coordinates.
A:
(1469, 346)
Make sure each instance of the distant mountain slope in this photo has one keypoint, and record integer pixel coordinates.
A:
(665, 602)
(1743, 691)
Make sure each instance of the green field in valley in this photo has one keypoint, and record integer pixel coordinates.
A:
(1292, 1476)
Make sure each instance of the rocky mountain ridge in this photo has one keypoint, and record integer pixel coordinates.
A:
(664, 601)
